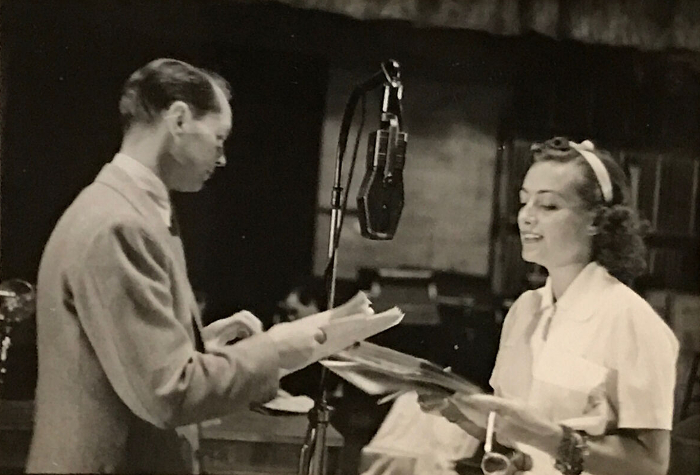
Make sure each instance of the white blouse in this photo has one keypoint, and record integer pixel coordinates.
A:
(599, 358)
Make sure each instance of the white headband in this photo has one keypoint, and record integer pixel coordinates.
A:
(586, 148)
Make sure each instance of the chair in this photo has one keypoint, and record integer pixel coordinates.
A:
(685, 447)
(692, 382)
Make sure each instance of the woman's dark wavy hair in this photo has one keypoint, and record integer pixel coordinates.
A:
(619, 243)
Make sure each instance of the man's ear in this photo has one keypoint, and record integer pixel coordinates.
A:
(177, 115)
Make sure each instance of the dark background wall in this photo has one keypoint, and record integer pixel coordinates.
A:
(250, 230)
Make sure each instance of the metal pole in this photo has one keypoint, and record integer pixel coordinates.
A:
(313, 460)
(313, 453)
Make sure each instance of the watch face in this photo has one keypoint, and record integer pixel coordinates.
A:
(494, 464)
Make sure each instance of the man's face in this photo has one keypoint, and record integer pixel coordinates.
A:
(295, 309)
(199, 148)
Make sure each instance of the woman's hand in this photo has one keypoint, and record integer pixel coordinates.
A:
(440, 403)
(227, 330)
(515, 422)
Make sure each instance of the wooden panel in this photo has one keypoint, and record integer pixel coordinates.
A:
(675, 195)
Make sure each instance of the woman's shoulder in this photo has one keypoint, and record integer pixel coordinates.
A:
(636, 317)
(528, 302)
(621, 299)
(525, 308)
(629, 302)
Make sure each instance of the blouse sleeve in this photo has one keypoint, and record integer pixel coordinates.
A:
(645, 363)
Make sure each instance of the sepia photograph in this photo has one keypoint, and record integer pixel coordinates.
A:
(350, 237)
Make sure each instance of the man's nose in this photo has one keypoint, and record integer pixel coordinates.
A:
(221, 162)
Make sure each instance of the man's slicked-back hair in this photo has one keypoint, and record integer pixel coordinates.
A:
(154, 87)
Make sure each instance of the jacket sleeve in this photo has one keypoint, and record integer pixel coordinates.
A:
(122, 295)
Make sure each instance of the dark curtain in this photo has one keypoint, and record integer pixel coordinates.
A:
(251, 230)
(647, 24)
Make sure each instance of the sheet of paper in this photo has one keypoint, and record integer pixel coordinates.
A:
(372, 384)
(343, 332)
(292, 404)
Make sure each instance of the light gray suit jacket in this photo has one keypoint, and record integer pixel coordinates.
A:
(118, 368)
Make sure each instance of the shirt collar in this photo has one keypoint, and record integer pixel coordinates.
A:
(582, 294)
(147, 181)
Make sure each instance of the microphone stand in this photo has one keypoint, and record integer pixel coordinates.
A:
(17, 304)
(313, 460)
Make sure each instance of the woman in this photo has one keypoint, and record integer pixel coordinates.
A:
(585, 371)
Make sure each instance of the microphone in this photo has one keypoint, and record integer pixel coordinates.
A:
(380, 198)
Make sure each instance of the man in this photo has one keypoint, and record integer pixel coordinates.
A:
(303, 300)
(121, 357)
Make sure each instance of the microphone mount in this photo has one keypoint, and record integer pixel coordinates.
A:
(381, 196)
(313, 458)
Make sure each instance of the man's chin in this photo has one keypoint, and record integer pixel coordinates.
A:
(189, 188)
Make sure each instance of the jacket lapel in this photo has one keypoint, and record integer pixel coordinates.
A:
(117, 179)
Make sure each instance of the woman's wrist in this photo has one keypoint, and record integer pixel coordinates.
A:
(550, 440)
(572, 452)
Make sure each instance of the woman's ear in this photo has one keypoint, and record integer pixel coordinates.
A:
(594, 219)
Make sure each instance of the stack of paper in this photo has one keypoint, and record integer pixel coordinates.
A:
(379, 371)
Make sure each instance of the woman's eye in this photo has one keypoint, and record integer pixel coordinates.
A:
(548, 207)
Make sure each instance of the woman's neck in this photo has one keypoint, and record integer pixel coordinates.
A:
(561, 277)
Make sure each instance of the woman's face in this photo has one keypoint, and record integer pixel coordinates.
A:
(553, 220)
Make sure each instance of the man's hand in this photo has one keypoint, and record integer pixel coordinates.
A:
(228, 330)
(295, 344)
(360, 303)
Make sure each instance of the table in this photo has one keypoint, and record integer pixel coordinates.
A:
(243, 443)
(16, 420)
(251, 443)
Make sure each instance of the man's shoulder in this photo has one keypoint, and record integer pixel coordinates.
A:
(99, 205)
(98, 211)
